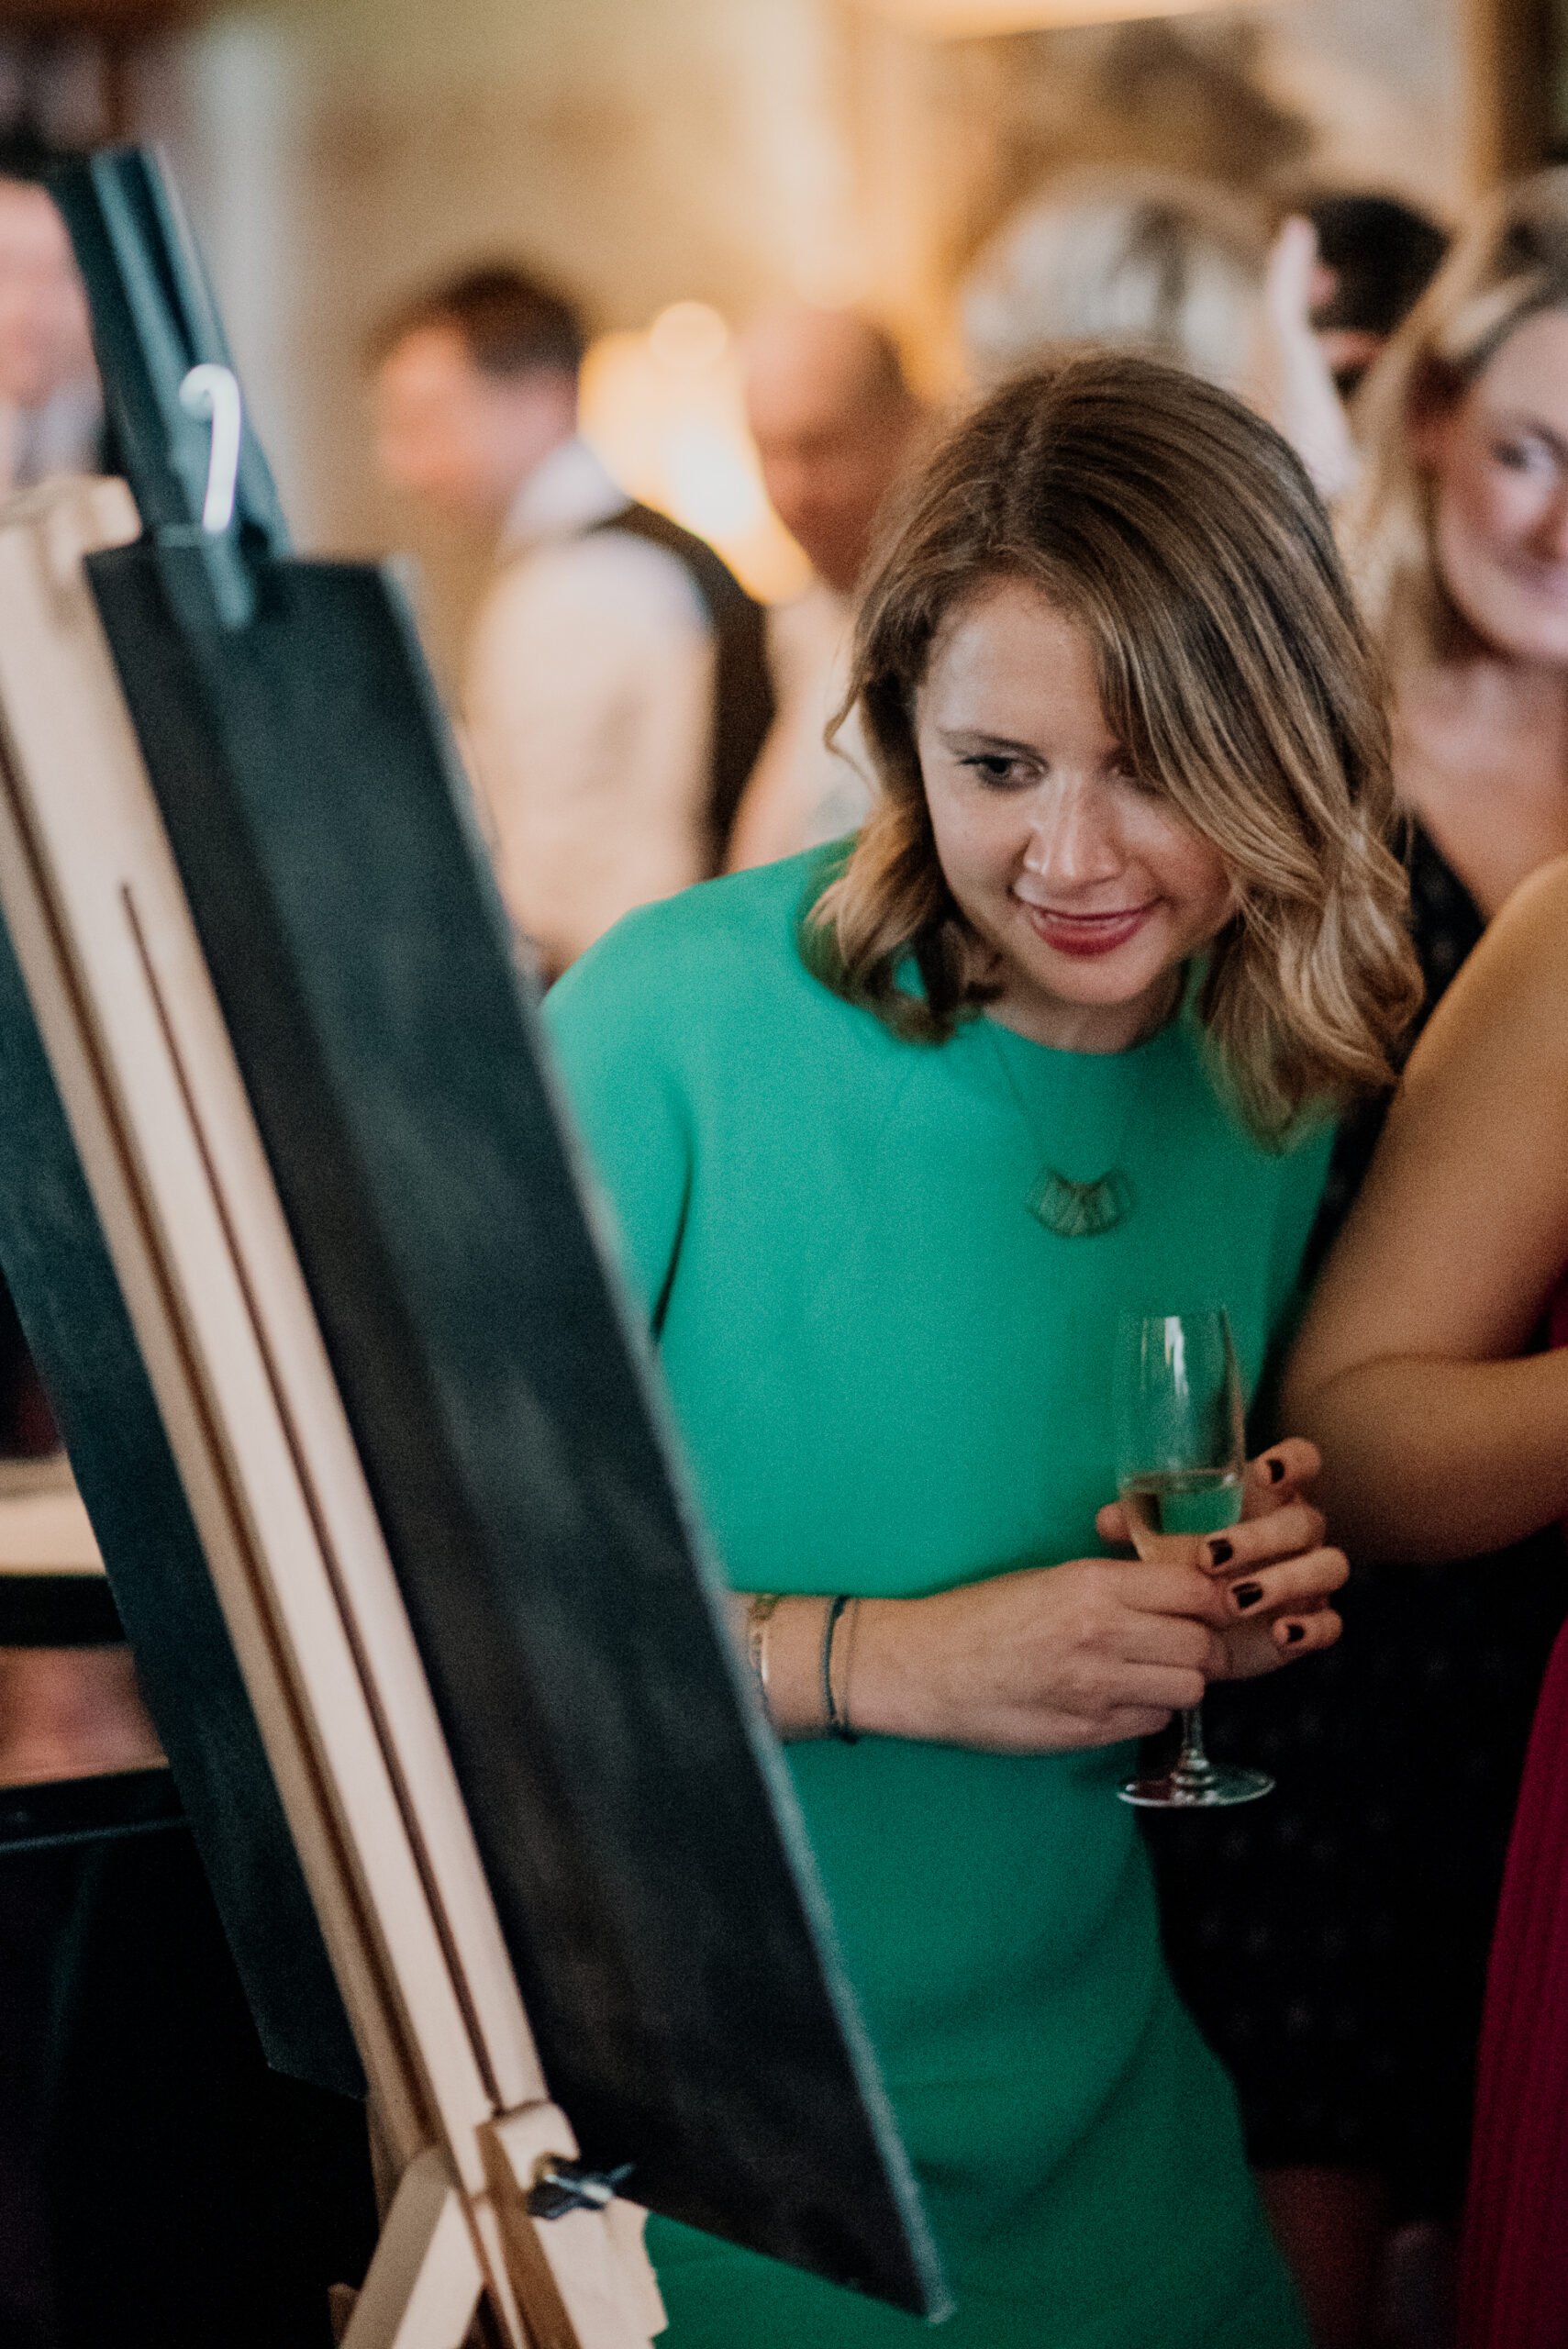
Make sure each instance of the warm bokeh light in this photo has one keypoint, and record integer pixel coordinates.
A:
(975, 19)
(688, 338)
(664, 411)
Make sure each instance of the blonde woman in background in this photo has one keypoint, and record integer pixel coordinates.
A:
(1459, 539)
(1147, 261)
(1335, 1950)
(1178, 268)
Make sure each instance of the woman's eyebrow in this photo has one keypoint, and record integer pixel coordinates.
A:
(955, 735)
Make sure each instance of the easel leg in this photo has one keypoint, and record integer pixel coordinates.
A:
(425, 2280)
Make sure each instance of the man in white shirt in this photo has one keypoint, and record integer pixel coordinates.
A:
(834, 424)
(51, 409)
(616, 691)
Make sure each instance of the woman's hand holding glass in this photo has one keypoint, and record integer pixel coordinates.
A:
(1097, 1650)
(1057, 1659)
(1278, 1548)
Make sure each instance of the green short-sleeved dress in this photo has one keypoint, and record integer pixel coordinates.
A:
(890, 1378)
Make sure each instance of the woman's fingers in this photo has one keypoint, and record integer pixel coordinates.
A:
(1174, 1642)
(1279, 1475)
(1260, 1540)
(1152, 1688)
(1284, 1474)
(1097, 1649)
(1046, 1658)
(1161, 1690)
(1170, 1590)
(1254, 1647)
(1299, 1583)
(1304, 1634)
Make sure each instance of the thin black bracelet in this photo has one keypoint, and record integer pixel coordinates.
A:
(837, 1723)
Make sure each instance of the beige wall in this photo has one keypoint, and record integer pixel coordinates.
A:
(338, 151)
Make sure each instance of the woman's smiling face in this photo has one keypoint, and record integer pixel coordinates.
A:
(1499, 465)
(1087, 885)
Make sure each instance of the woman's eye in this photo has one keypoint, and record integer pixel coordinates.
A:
(993, 766)
(1521, 456)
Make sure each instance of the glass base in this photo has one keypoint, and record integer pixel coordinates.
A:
(1207, 1786)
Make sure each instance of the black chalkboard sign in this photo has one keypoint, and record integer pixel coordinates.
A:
(636, 1824)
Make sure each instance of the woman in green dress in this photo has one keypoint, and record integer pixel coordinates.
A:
(892, 1135)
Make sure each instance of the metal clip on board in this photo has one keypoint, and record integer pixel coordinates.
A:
(204, 488)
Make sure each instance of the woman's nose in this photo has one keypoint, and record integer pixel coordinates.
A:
(1548, 539)
(1071, 840)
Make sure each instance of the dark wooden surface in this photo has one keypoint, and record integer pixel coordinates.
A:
(636, 1824)
(85, 1810)
(53, 1610)
(69, 1300)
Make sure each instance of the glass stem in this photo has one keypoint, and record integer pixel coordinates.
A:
(1192, 1762)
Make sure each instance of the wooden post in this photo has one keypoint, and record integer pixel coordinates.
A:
(1506, 51)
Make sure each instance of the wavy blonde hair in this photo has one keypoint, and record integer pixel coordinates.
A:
(1139, 260)
(1182, 533)
(1511, 264)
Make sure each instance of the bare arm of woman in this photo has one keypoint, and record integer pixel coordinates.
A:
(1291, 376)
(1438, 1439)
(1055, 1658)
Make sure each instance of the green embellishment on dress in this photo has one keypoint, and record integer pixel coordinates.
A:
(1080, 1210)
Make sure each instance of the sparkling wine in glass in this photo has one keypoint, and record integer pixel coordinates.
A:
(1180, 1457)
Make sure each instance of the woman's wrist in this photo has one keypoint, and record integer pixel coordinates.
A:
(884, 1698)
(794, 1667)
(804, 1648)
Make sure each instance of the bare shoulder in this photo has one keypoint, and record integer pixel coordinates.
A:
(1533, 925)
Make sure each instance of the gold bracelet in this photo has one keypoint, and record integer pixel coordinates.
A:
(759, 1616)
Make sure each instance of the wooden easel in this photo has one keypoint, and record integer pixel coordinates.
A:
(201, 1247)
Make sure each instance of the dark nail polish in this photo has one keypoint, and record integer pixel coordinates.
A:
(1220, 1553)
(1276, 1471)
(1294, 1631)
(1247, 1594)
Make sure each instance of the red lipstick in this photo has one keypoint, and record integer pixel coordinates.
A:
(1082, 935)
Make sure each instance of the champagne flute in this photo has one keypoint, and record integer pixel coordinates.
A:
(1180, 1458)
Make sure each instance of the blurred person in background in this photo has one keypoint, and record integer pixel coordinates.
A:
(1460, 539)
(51, 412)
(1178, 268)
(1334, 1946)
(51, 421)
(835, 424)
(617, 690)
(1147, 261)
(1443, 1420)
(64, 1709)
(1376, 256)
